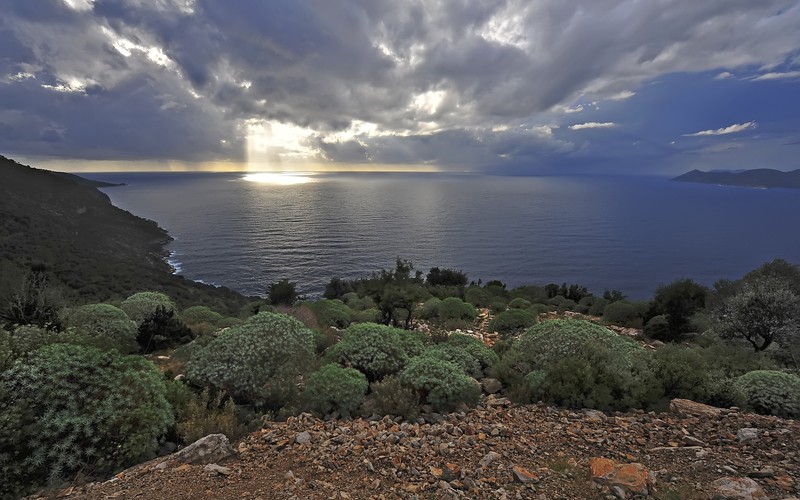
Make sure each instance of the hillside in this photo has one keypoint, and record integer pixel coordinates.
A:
(758, 178)
(91, 250)
(496, 450)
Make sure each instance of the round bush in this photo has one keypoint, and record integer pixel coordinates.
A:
(478, 297)
(681, 372)
(390, 397)
(512, 321)
(371, 315)
(331, 313)
(87, 409)
(197, 315)
(485, 357)
(142, 305)
(103, 326)
(429, 310)
(458, 356)
(334, 388)
(497, 306)
(440, 383)
(374, 350)
(453, 308)
(257, 362)
(519, 303)
(658, 327)
(769, 392)
(622, 313)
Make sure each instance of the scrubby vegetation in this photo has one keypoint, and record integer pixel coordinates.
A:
(77, 395)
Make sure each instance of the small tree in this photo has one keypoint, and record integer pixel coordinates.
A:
(764, 311)
(679, 301)
(34, 303)
(282, 293)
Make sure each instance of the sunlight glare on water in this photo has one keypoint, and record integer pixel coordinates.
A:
(280, 179)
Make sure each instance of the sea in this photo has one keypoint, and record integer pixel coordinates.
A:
(626, 233)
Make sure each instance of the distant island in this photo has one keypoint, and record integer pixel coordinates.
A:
(756, 178)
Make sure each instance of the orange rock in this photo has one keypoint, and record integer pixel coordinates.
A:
(601, 468)
(633, 478)
(688, 407)
(523, 475)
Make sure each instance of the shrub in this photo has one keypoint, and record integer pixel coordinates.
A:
(622, 313)
(561, 345)
(562, 303)
(429, 311)
(257, 362)
(440, 383)
(199, 415)
(446, 277)
(681, 372)
(598, 306)
(335, 389)
(658, 327)
(162, 329)
(497, 306)
(769, 393)
(331, 313)
(512, 321)
(357, 303)
(283, 293)
(519, 303)
(83, 409)
(196, 315)
(142, 305)
(368, 316)
(456, 355)
(584, 304)
(485, 357)
(453, 308)
(477, 296)
(374, 350)
(531, 293)
(390, 397)
(103, 326)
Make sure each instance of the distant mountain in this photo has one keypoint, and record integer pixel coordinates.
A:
(757, 178)
(91, 250)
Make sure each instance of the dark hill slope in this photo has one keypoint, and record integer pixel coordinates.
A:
(761, 178)
(91, 249)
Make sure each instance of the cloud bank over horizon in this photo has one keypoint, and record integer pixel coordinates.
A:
(509, 86)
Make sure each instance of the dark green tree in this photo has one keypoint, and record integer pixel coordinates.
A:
(678, 300)
(282, 293)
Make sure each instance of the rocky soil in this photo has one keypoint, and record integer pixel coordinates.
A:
(496, 450)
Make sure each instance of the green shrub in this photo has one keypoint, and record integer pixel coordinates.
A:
(335, 389)
(453, 308)
(429, 311)
(456, 355)
(374, 350)
(198, 415)
(356, 303)
(584, 304)
(331, 313)
(477, 296)
(440, 383)
(497, 306)
(160, 330)
(485, 357)
(681, 372)
(519, 303)
(371, 315)
(658, 327)
(257, 362)
(769, 393)
(555, 347)
(142, 305)
(512, 321)
(229, 322)
(561, 303)
(282, 293)
(83, 409)
(622, 313)
(390, 397)
(197, 315)
(103, 326)
(533, 294)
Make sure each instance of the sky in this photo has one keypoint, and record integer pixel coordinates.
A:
(526, 87)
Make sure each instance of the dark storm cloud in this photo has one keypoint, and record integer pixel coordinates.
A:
(458, 83)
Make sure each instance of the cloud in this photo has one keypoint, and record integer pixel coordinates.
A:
(733, 129)
(588, 125)
(724, 75)
(777, 76)
(354, 80)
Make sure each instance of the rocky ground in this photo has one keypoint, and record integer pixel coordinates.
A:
(496, 450)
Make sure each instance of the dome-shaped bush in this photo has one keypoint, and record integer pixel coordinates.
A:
(512, 321)
(256, 362)
(440, 383)
(103, 326)
(453, 308)
(83, 409)
(334, 388)
(374, 350)
(142, 305)
(769, 392)
(331, 312)
(197, 315)
(519, 303)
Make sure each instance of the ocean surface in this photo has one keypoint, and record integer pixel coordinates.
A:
(625, 233)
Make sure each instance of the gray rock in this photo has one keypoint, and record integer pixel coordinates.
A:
(210, 449)
(491, 385)
(217, 469)
(747, 434)
(736, 488)
(489, 458)
(303, 437)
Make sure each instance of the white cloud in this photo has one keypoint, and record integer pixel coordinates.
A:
(724, 75)
(589, 125)
(621, 96)
(777, 76)
(740, 127)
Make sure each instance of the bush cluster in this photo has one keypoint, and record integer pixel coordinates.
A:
(512, 321)
(335, 389)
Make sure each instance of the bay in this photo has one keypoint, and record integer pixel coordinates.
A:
(625, 233)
